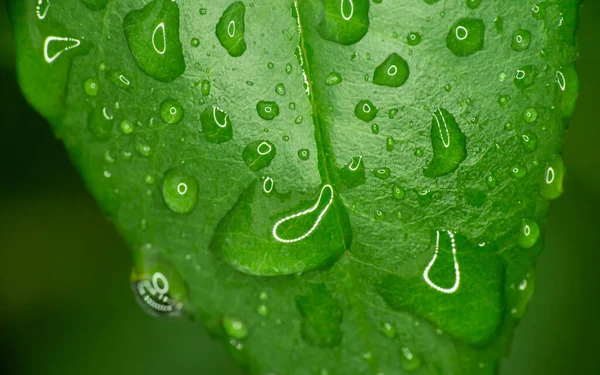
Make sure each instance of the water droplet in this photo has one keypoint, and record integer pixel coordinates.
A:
(529, 141)
(503, 100)
(231, 29)
(390, 142)
(552, 183)
(263, 310)
(375, 129)
(466, 37)
(91, 87)
(195, 42)
(410, 361)
(259, 154)
(353, 174)
(216, 125)
(304, 154)
(473, 4)
(205, 87)
(365, 110)
(530, 115)
(449, 145)
(520, 293)
(521, 39)
(267, 110)
(499, 24)
(382, 173)
(180, 191)
(398, 192)
(345, 21)
(334, 78)
(518, 172)
(280, 89)
(100, 122)
(490, 180)
(203, 11)
(393, 72)
(152, 35)
(119, 79)
(126, 127)
(389, 330)
(529, 234)
(235, 328)
(171, 111)
(413, 38)
(158, 287)
(524, 77)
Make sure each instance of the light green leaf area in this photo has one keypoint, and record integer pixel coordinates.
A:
(330, 187)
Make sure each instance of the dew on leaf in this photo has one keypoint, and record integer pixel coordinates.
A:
(382, 173)
(410, 361)
(100, 123)
(267, 110)
(334, 78)
(552, 182)
(216, 125)
(280, 89)
(518, 171)
(398, 192)
(353, 174)
(529, 141)
(91, 86)
(205, 87)
(152, 35)
(529, 233)
(259, 154)
(304, 154)
(365, 111)
(180, 191)
(126, 127)
(345, 21)
(530, 115)
(235, 328)
(449, 145)
(231, 29)
(521, 39)
(393, 72)
(466, 37)
(524, 77)
(171, 111)
(413, 38)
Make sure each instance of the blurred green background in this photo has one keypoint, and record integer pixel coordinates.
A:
(65, 302)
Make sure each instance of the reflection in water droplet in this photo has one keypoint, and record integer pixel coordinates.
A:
(180, 191)
(454, 287)
(333, 78)
(410, 361)
(54, 46)
(520, 40)
(326, 195)
(100, 122)
(91, 87)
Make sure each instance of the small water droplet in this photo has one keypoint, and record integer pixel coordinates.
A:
(91, 87)
(231, 29)
(529, 234)
(334, 78)
(365, 111)
(267, 110)
(521, 39)
(235, 328)
(171, 111)
(259, 154)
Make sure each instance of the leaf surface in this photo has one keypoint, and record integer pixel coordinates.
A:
(330, 187)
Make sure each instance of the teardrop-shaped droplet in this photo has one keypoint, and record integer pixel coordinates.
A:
(529, 234)
(216, 125)
(552, 182)
(393, 72)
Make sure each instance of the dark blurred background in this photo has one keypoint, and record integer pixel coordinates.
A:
(65, 302)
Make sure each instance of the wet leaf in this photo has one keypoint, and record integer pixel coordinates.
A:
(297, 175)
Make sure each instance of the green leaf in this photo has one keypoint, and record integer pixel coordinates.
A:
(330, 187)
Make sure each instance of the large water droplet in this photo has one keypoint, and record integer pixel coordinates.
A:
(216, 125)
(259, 154)
(180, 191)
(345, 21)
(231, 28)
(466, 37)
(449, 145)
(152, 35)
(393, 72)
